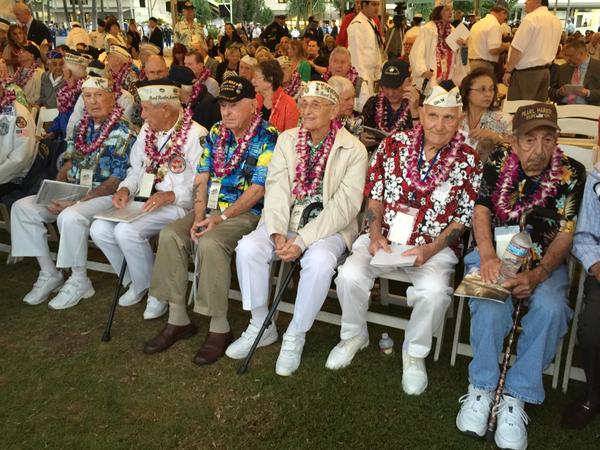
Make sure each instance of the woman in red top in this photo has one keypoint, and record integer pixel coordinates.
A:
(275, 106)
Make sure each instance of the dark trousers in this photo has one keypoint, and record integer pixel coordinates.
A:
(588, 334)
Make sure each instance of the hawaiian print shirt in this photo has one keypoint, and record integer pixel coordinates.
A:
(111, 160)
(560, 212)
(187, 35)
(388, 181)
(252, 170)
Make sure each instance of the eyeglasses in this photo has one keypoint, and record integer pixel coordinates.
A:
(483, 90)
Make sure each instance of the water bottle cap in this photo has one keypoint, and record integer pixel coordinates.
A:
(385, 336)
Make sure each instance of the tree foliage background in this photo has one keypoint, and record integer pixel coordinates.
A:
(466, 6)
(245, 11)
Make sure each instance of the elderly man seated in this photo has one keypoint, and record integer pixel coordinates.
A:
(29, 74)
(17, 141)
(52, 79)
(97, 156)
(586, 248)
(147, 50)
(532, 177)
(421, 187)
(74, 74)
(195, 61)
(229, 190)
(155, 68)
(396, 105)
(340, 65)
(162, 168)
(320, 162)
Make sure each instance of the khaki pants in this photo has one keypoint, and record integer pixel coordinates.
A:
(170, 276)
(529, 85)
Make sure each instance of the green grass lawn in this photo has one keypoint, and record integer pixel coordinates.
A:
(62, 388)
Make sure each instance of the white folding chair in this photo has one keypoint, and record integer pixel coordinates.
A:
(570, 372)
(586, 156)
(45, 116)
(579, 126)
(511, 106)
(582, 111)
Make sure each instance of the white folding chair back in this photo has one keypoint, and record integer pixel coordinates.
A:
(586, 156)
(511, 106)
(574, 125)
(46, 115)
(582, 111)
(574, 373)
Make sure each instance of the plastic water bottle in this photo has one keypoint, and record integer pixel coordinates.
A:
(515, 255)
(386, 345)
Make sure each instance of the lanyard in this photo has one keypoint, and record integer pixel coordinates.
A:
(165, 143)
(422, 159)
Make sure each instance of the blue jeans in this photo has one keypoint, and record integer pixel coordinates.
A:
(545, 323)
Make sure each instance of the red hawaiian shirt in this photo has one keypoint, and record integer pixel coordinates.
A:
(388, 181)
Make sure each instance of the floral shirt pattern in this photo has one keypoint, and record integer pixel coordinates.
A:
(252, 170)
(560, 212)
(111, 160)
(495, 121)
(388, 181)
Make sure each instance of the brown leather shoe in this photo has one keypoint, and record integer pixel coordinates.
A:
(168, 336)
(578, 414)
(213, 348)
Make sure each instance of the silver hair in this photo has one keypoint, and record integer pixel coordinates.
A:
(342, 51)
(341, 84)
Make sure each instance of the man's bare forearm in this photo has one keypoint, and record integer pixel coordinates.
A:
(200, 196)
(482, 228)
(246, 202)
(447, 238)
(108, 187)
(557, 254)
(513, 60)
(374, 217)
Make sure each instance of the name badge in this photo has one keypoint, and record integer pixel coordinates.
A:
(441, 193)
(86, 177)
(295, 217)
(402, 226)
(213, 195)
(146, 185)
(503, 236)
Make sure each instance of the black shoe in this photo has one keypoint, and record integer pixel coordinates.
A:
(578, 414)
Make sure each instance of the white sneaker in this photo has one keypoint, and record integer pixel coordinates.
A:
(290, 354)
(130, 298)
(414, 374)
(239, 348)
(511, 431)
(342, 354)
(43, 287)
(474, 413)
(72, 292)
(155, 308)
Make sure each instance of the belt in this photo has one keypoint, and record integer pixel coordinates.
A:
(547, 66)
(483, 60)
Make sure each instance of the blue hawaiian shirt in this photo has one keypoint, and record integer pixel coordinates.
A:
(111, 160)
(252, 170)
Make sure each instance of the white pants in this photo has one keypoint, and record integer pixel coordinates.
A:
(429, 296)
(254, 253)
(29, 234)
(131, 241)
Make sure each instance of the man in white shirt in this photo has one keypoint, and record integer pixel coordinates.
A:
(532, 51)
(366, 45)
(485, 40)
(97, 37)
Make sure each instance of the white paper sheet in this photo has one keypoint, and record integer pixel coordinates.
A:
(59, 190)
(129, 213)
(460, 32)
(395, 258)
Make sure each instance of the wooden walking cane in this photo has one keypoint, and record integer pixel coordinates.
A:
(113, 306)
(491, 429)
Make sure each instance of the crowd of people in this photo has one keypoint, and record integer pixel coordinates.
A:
(265, 146)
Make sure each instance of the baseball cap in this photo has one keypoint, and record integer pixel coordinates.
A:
(534, 116)
(188, 5)
(234, 89)
(393, 74)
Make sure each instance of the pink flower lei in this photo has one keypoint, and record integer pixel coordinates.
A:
(80, 144)
(293, 86)
(23, 75)
(439, 173)
(509, 180)
(119, 79)
(198, 87)
(222, 169)
(305, 183)
(352, 75)
(381, 113)
(8, 98)
(67, 96)
(155, 158)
